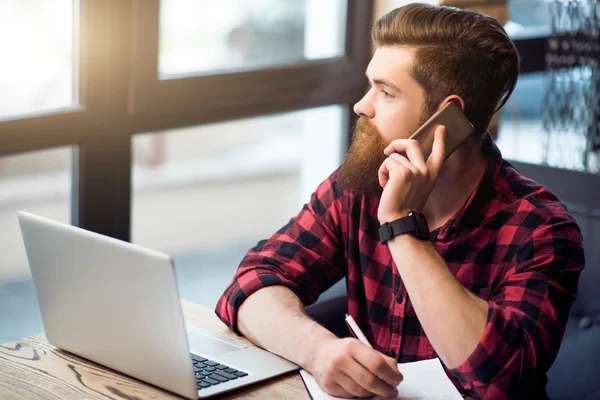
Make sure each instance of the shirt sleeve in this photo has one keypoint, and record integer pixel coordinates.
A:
(527, 314)
(306, 255)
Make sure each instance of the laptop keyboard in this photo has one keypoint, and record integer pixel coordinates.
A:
(211, 373)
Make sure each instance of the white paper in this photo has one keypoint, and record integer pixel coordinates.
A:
(423, 380)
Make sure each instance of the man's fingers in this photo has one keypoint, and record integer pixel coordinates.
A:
(384, 171)
(393, 365)
(438, 152)
(404, 161)
(338, 391)
(396, 146)
(403, 166)
(415, 155)
(367, 380)
(399, 146)
(351, 386)
(381, 366)
(409, 147)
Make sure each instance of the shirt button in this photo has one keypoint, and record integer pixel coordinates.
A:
(585, 323)
(391, 354)
(399, 299)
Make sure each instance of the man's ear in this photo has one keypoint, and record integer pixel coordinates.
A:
(454, 99)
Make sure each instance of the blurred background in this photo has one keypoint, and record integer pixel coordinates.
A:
(199, 127)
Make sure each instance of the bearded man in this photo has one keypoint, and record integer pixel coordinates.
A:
(462, 258)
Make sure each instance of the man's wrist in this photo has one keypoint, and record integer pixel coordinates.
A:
(394, 216)
(319, 336)
(405, 239)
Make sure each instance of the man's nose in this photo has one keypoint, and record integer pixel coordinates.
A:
(364, 108)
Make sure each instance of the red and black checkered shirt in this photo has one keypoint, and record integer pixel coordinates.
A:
(512, 243)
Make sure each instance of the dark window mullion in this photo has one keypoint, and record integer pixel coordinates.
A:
(102, 191)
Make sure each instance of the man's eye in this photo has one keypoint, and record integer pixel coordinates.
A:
(386, 94)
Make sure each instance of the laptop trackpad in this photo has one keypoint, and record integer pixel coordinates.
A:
(209, 346)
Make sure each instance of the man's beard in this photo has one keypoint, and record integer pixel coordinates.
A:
(360, 170)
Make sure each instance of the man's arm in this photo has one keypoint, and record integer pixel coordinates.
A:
(306, 256)
(274, 319)
(452, 317)
(502, 348)
(497, 349)
(265, 301)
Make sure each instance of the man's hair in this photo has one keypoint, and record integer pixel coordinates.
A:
(457, 52)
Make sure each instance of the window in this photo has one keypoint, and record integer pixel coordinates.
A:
(521, 133)
(529, 18)
(551, 113)
(38, 182)
(216, 190)
(96, 75)
(204, 36)
(531, 126)
(38, 68)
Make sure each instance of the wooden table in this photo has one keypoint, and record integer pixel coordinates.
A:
(33, 369)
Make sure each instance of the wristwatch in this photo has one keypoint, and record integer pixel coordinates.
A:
(414, 223)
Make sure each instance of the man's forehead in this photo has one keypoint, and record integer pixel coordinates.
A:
(391, 60)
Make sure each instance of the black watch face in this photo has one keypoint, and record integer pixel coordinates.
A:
(421, 227)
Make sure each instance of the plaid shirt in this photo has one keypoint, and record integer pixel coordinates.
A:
(512, 244)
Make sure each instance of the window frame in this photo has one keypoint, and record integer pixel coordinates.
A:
(193, 100)
(120, 95)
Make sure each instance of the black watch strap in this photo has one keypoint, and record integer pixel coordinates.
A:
(414, 223)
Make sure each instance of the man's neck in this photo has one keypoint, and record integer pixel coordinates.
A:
(460, 175)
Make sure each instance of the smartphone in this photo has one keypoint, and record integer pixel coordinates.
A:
(458, 129)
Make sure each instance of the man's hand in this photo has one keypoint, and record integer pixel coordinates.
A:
(348, 368)
(406, 178)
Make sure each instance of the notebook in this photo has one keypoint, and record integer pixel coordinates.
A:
(423, 380)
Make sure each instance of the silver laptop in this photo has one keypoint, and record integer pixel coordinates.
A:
(117, 304)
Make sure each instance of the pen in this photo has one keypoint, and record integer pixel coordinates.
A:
(355, 330)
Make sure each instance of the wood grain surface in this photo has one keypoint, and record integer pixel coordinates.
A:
(33, 369)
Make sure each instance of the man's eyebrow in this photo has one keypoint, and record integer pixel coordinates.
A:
(384, 82)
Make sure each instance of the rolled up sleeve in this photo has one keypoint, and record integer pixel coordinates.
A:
(527, 315)
(306, 255)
